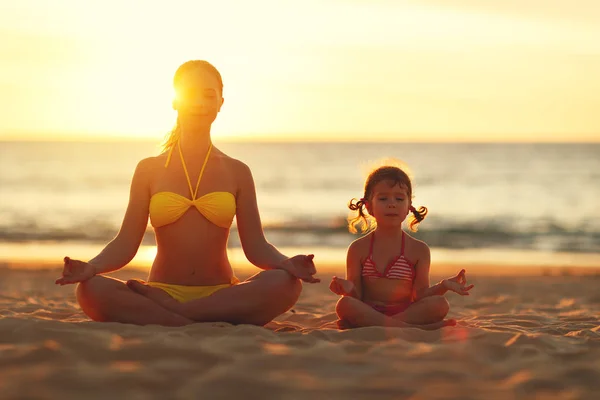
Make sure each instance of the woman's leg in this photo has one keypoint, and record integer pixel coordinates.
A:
(255, 301)
(358, 314)
(107, 299)
(425, 311)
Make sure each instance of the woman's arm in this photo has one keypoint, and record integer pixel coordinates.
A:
(121, 250)
(256, 247)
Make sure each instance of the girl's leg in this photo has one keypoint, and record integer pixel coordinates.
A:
(107, 299)
(255, 301)
(425, 311)
(358, 314)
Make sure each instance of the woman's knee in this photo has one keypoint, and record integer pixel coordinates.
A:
(90, 293)
(92, 287)
(283, 283)
(87, 289)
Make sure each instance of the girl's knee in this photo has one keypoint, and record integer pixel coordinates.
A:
(344, 306)
(439, 306)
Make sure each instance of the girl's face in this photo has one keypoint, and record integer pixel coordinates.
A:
(199, 99)
(389, 204)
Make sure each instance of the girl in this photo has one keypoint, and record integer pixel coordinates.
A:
(387, 271)
(191, 193)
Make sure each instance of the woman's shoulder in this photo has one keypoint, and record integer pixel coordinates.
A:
(236, 166)
(148, 164)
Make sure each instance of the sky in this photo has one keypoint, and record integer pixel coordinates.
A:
(426, 70)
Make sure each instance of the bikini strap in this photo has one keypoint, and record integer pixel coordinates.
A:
(371, 246)
(402, 246)
(187, 175)
(202, 170)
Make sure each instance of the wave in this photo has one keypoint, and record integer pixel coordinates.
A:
(333, 233)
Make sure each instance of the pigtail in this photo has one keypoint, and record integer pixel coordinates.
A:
(416, 217)
(362, 217)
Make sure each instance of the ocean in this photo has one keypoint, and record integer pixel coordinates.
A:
(510, 197)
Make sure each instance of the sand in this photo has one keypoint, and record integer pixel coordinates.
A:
(523, 334)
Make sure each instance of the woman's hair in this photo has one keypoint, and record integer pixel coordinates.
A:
(395, 176)
(179, 83)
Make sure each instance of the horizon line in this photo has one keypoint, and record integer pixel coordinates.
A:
(294, 138)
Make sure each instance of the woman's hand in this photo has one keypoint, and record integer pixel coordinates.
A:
(75, 271)
(458, 284)
(342, 287)
(302, 267)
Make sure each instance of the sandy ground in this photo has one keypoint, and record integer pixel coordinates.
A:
(530, 333)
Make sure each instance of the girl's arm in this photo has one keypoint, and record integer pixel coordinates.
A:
(121, 250)
(256, 247)
(422, 282)
(354, 269)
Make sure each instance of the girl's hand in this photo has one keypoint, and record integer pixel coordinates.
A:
(458, 284)
(302, 267)
(341, 287)
(75, 271)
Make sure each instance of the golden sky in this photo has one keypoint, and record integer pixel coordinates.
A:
(421, 70)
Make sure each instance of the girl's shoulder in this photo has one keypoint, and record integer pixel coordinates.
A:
(414, 241)
(361, 246)
(415, 247)
(364, 240)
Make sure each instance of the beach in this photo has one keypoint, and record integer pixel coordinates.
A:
(524, 333)
(282, 114)
(530, 329)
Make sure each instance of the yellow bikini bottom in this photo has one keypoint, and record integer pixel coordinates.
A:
(183, 293)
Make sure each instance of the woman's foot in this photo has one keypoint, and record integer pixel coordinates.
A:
(106, 299)
(157, 295)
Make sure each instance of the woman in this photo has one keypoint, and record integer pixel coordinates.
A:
(191, 192)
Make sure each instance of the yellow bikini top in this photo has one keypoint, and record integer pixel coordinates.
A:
(167, 207)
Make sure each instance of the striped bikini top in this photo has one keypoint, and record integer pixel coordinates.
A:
(399, 268)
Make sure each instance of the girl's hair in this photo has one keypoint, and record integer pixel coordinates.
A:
(178, 84)
(395, 176)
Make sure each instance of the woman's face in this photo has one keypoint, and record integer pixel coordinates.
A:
(198, 97)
